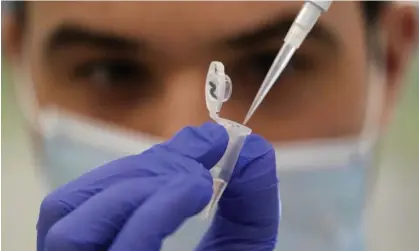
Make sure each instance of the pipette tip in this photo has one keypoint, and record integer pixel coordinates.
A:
(252, 109)
(247, 118)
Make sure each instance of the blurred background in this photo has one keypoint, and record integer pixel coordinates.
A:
(392, 215)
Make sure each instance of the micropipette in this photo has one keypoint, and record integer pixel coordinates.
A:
(218, 89)
(302, 25)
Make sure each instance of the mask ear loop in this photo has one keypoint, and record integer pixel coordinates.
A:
(26, 94)
(29, 106)
(374, 110)
(375, 97)
(369, 136)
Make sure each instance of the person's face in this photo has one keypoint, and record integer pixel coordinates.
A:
(142, 65)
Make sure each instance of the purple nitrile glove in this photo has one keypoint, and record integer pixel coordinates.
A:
(135, 202)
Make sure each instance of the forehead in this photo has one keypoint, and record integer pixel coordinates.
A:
(179, 21)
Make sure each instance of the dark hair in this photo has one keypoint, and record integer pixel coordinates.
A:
(371, 10)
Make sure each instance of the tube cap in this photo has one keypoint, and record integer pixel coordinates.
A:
(218, 88)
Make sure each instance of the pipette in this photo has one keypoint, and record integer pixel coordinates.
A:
(218, 89)
(305, 21)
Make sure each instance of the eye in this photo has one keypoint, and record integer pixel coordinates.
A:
(109, 73)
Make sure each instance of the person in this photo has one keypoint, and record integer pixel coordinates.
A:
(102, 80)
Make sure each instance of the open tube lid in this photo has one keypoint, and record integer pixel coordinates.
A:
(218, 89)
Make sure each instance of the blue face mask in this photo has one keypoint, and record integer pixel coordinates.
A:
(322, 186)
(322, 209)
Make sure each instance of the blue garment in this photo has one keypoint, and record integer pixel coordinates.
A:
(135, 202)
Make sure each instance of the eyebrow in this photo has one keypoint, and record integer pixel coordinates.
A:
(278, 29)
(71, 35)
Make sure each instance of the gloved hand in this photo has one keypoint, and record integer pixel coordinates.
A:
(135, 202)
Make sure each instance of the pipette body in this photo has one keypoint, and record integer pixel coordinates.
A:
(301, 27)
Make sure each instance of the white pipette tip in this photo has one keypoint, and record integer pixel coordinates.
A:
(218, 187)
(256, 102)
(247, 118)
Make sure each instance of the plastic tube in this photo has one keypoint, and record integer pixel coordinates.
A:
(224, 168)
